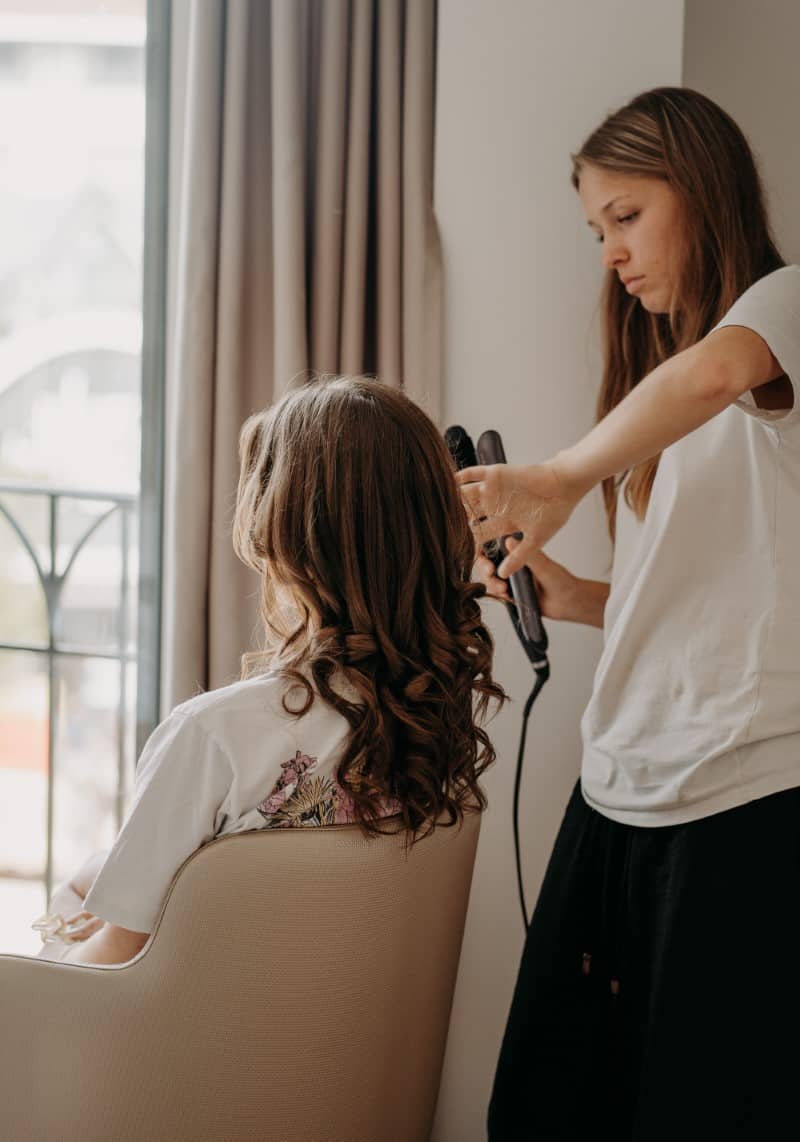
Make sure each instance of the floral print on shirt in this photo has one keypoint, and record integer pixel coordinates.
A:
(301, 797)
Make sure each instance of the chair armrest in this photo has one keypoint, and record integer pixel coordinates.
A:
(52, 1012)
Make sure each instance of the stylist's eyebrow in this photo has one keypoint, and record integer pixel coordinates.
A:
(605, 209)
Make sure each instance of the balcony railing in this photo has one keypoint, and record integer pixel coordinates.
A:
(54, 562)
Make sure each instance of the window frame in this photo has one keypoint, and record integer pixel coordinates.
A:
(153, 365)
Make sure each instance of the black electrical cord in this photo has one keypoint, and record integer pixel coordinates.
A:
(542, 674)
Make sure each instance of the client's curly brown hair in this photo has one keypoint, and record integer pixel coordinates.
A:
(348, 509)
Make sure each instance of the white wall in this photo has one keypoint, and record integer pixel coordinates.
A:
(744, 56)
(520, 84)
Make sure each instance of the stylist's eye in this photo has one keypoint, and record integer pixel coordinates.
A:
(625, 218)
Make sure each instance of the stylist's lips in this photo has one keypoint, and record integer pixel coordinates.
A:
(632, 284)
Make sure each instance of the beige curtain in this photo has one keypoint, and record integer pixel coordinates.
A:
(305, 241)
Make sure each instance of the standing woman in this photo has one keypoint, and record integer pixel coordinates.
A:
(659, 991)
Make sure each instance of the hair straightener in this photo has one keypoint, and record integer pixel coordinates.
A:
(524, 611)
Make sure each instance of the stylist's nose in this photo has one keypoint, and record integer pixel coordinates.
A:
(614, 253)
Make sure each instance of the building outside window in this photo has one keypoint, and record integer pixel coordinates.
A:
(72, 93)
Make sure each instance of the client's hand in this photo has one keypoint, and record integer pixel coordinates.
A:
(502, 499)
(81, 926)
(60, 935)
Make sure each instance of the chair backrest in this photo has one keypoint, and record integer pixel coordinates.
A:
(297, 988)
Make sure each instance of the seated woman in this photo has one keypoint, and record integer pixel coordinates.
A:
(369, 699)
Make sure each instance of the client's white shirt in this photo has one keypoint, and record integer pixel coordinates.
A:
(696, 700)
(224, 762)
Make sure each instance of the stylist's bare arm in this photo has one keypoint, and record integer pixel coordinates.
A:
(678, 396)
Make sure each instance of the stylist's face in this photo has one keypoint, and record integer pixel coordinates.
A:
(637, 219)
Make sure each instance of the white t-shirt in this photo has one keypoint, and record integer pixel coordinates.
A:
(224, 762)
(696, 700)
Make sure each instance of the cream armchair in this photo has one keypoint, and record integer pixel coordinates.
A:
(297, 988)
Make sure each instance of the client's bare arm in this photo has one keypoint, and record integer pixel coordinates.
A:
(67, 902)
(111, 945)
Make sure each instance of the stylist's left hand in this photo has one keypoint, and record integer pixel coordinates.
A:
(503, 499)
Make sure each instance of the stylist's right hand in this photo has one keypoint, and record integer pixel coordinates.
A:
(502, 499)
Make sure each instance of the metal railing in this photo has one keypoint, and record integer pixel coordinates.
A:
(53, 582)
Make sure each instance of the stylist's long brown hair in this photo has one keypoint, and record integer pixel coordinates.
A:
(679, 135)
(348, 508)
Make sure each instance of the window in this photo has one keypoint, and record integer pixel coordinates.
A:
(72, 163)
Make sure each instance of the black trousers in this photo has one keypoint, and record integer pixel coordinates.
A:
(658, 996)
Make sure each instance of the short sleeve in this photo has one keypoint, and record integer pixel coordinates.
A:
(182, 780)
(771, 308)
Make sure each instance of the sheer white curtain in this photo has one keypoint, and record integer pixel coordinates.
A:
(304, 240)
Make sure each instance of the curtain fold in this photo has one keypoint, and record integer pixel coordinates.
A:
(306, 243)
